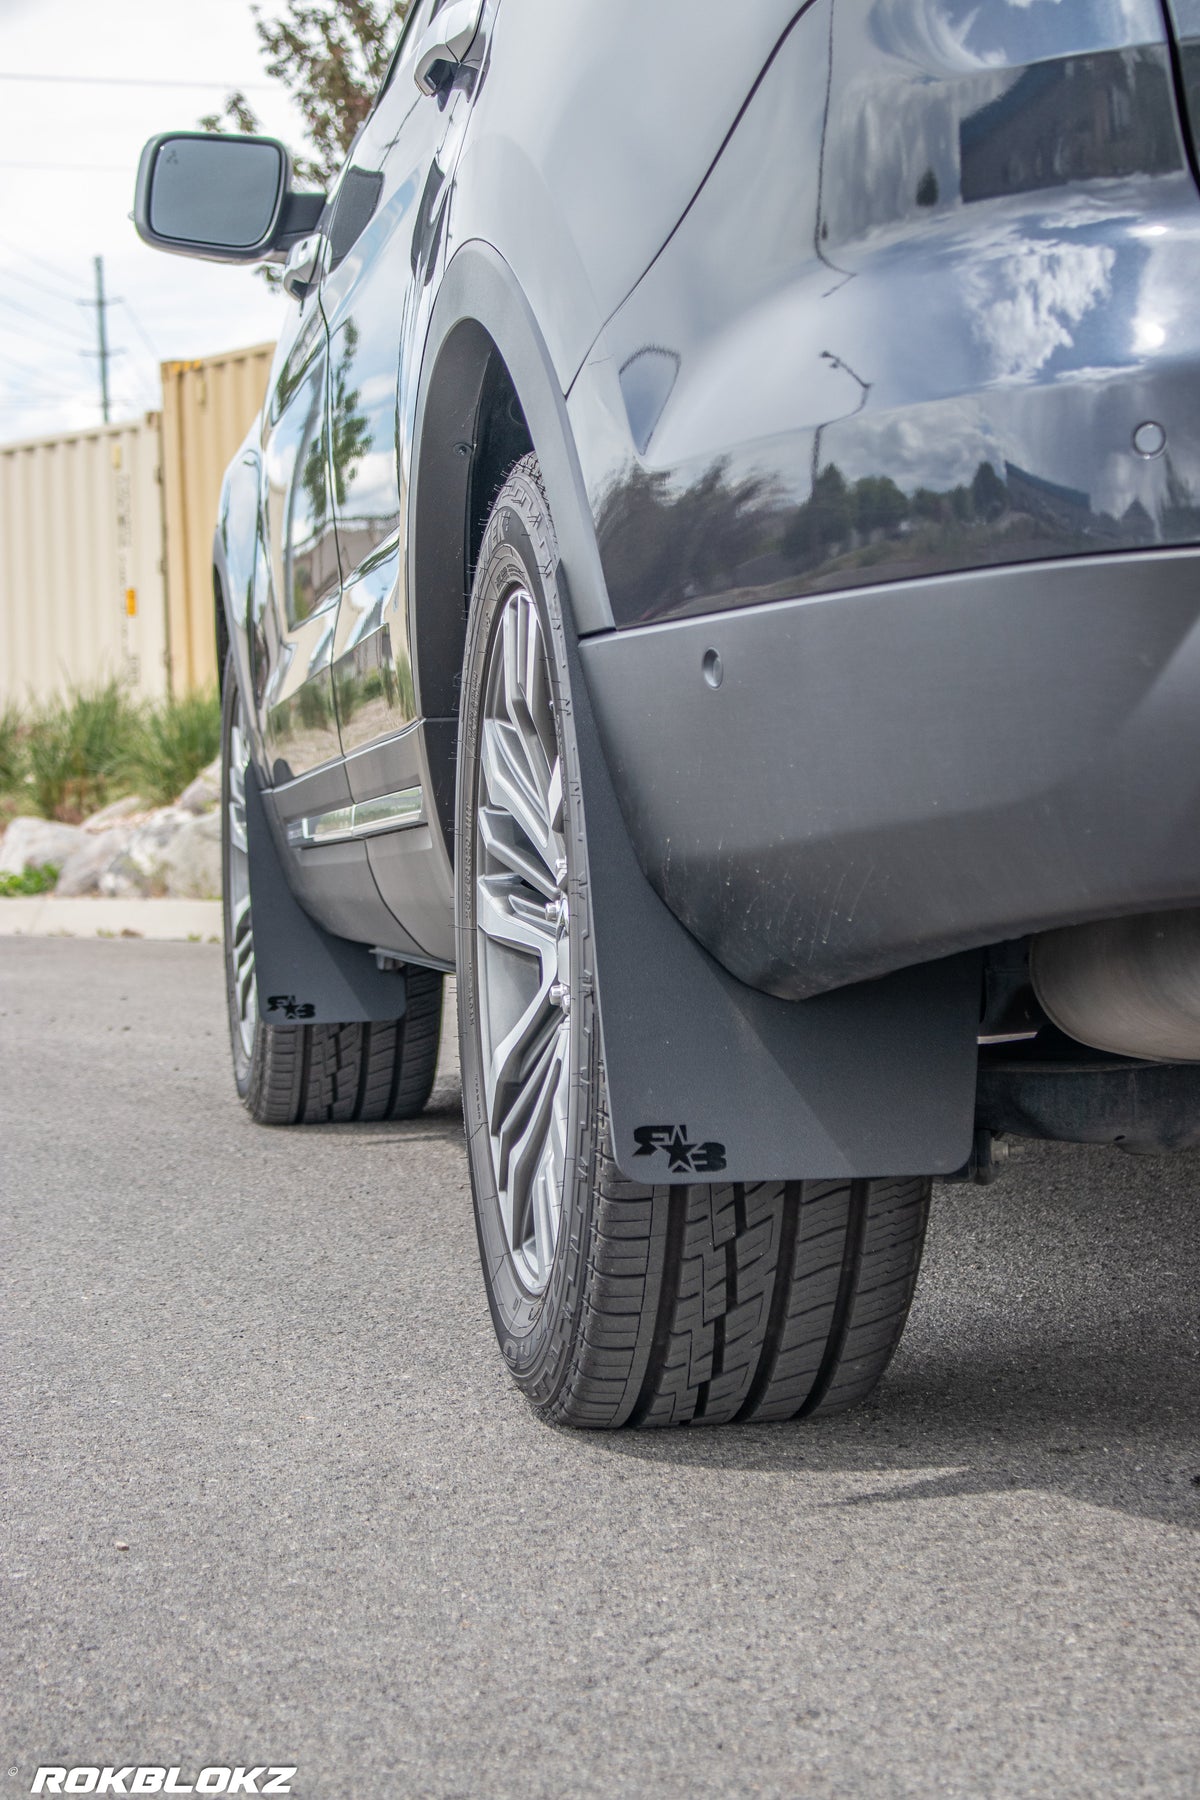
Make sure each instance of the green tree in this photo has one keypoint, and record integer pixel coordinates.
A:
(989, 496)
(824, 523)
(878, 504)
(331, 58)
(927, 503)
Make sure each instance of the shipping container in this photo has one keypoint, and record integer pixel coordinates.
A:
(106, 540)
(82, 593)
(208, 407)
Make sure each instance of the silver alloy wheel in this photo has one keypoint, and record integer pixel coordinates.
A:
(244, 998)
(522, 927)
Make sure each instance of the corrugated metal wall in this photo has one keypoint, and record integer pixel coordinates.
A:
(208, 407)
(106, 539)
(82, 594)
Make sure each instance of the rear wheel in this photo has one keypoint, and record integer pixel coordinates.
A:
(617, 1303)
(310, 1074)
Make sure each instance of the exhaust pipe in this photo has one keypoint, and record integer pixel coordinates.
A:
(1129, 986)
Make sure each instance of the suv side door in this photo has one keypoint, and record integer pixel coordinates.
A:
(385, 232)
(295, 687)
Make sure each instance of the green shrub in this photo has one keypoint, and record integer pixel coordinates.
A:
(69, 758)
(74, 752)
(168, 745)
(31, 881)
(12, 750)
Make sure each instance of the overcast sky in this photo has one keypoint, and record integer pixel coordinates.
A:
(68, 158)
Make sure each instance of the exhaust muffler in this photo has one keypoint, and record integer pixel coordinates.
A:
(1128, 986)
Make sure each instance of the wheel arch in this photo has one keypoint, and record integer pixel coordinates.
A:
(488, 394)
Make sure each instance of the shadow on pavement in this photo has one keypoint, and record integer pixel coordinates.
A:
(1054, 1345)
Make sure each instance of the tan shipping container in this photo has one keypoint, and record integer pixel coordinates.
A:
(208, 407)
(82, 596)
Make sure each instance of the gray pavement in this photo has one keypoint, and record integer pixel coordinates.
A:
(263, 1361)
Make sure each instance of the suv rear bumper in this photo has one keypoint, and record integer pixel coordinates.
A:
(894, 774)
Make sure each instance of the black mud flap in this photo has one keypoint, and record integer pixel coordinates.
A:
(708, 1077)
(305, 973)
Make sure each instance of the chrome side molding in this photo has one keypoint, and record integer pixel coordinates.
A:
(389, 812)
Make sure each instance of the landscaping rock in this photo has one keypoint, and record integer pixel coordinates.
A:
(29, 843)
(205, 792)
(115, 813)
(84, 869)
(193, 862)
(140, 869)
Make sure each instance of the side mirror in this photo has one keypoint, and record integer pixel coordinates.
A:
(228, 199)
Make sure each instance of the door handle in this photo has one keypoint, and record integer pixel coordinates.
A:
(443, 48)
(301, 267)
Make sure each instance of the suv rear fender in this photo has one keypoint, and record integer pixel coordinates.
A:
(576, 104)
(932, 310)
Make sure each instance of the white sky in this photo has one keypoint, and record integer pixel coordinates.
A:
(68, 158)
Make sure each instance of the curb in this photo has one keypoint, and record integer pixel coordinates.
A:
(174, 921)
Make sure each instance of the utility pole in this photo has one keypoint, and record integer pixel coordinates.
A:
(104, 350)
(102, 305)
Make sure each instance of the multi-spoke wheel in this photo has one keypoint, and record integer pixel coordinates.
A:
(309, 1074)
(618, 1304)
(522, 923)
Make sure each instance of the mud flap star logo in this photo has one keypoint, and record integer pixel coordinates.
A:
(290, 1007)
(683, 1156)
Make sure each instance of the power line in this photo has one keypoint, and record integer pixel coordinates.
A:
(244, 87)
(155, 352)
(17, 396)
(30, 340)
(39, 262)
(43, 287)
(60, 376)
(44, 397)
(40, 378)
(42, 403)
(73, 168)
(38, 318)
(41, 381)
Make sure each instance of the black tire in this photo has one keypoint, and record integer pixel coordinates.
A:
(663, 1306)
(320, 1074)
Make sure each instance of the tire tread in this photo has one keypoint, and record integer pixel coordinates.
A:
(767, 1301)
(350, 1074)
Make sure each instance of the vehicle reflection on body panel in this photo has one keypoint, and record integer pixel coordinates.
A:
(372, 670)
(916, 355)
(304, 574)
(372, 319)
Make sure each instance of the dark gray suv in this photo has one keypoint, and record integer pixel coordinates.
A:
(717, 568)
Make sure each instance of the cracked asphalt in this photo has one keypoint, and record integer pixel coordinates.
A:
(263, 1361)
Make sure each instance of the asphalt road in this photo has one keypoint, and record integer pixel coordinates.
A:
(263, 1361)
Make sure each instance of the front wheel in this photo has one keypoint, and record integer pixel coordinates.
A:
(309, 1074)
(615, 1303)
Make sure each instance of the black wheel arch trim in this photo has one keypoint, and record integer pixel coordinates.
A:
(481, 312)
